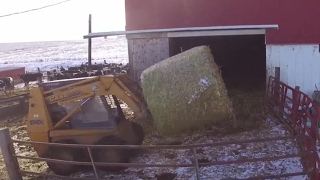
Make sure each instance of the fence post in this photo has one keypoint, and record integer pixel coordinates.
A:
(89, 43)
(196, 164)
(7, 148)
(277, 93)
(295, 106)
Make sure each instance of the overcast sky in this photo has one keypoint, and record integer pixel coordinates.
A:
(67, 21)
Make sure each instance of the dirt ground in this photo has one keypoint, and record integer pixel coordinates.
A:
(253, 121)
(14, 93)
(18, 131)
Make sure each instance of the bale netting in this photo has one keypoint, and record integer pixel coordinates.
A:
(186, 92)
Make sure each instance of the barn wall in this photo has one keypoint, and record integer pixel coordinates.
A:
(299, 65)
(13, 73)
(144, 53)
(296, 18)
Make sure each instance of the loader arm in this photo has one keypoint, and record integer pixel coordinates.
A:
(119, 85)
(45, 124)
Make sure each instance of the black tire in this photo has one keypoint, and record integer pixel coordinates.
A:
(138, 130)
(112, 155)
(63, 153)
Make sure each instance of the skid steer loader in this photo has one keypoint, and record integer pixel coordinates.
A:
(85, 111)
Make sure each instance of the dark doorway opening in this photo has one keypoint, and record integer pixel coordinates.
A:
(242, 58)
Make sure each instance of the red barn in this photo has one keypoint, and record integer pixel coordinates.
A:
(248, 38)
(13, 72)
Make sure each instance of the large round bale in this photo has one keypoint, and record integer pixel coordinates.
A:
(186, 92)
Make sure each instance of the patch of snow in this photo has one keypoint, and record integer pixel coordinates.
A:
(203, 83)
(298, 178)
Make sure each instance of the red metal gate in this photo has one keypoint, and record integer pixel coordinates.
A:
(299, 112)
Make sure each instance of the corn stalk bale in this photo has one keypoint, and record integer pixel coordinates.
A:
(186, 92)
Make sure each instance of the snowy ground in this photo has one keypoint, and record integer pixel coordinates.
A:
(47, 55)
(208, 154)
(221, 153)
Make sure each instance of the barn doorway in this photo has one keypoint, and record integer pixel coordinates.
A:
(241, 58)
(240, 51)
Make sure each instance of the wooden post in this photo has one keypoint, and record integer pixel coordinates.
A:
(295, 105)
(267, 83)
(7, 151)
(277, 85)
(277, 73)
(295, 95)
(39, 79)
(89, 44)
(277, 91)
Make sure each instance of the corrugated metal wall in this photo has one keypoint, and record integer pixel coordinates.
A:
(296, 18)
(143, 53)
(299, 65)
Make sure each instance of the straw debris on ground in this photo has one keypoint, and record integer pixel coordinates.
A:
(18, 131)
(16, 92)
(186, 92)
(249, 108)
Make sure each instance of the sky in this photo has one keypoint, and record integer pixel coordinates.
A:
(67, 21)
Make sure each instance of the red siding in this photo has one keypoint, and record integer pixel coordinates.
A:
(297, 19)
(12, 73)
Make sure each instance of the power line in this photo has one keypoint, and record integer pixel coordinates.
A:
(35, 9)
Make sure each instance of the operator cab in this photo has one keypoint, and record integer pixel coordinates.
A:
(99, 112)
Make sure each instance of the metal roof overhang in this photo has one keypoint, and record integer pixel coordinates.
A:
(188, 32)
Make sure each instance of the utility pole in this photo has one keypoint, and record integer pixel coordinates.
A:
(89, 44)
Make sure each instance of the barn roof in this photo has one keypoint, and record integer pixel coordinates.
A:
(181, 30)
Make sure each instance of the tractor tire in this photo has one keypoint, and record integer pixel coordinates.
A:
(138, 130)
(63, 153)
(112, 155)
